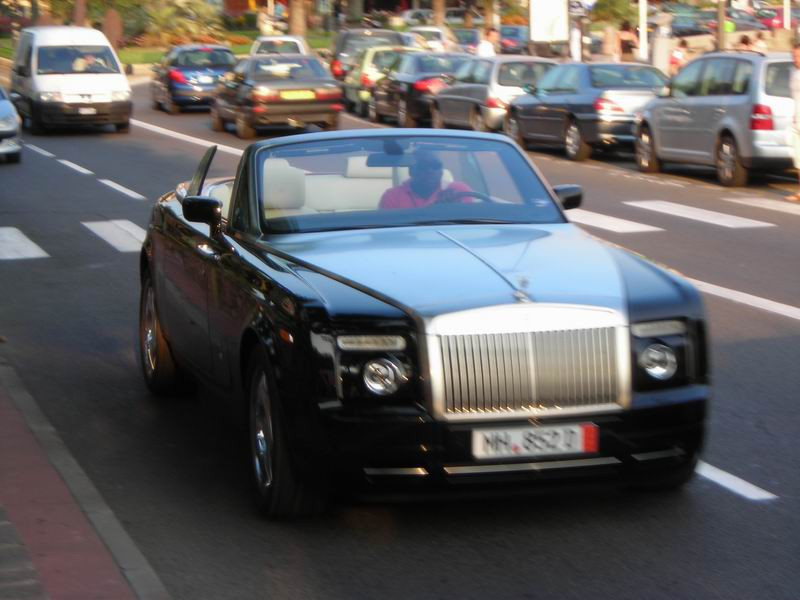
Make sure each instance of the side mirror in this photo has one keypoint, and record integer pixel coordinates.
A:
(201, 209)
(571, 196)
(664, 92)
(22, 71)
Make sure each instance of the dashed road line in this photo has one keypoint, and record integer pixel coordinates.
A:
(122, 189)
(121, 234)
(585, 217)
(186, 138)
(733, 483)
(75, 167)
(785, 310)
(15, 245)
(698, 214)
(41, 151)
(777, 205)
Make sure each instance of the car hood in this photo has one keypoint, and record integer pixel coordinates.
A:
(7, 109)
(432, 271)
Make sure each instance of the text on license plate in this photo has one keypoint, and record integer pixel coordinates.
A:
(298, 95)
(87, 110)
(510, 442)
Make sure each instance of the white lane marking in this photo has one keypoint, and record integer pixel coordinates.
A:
(777, 205)
(585, 217)
(122, 189)
(186, 138)
(15, 245)
(785, 310)
(698, 214)
(41, 151)
(75, 167)
(122, 235)
(731, 482)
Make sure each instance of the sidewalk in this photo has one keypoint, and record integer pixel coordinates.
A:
(49, 544)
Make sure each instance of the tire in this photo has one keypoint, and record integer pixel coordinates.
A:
(171, 107)
(403, 118)
(35, 124)
(217, 124)
(372, 111)
(646, 158)
(575, 146)
(668, 478)
(730, 170)
(437, 120)
(123, 127)
(512, 129)
(243, 129)
(476, 121)
(281, 489)
(160, 371)
(13, 158)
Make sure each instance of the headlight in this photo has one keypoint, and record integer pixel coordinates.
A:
(371, 343)
(50, 96)
(9, 122)
(658, 361)
(383, 376)
(122, 96)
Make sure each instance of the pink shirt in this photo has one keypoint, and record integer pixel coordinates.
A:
(403, 196)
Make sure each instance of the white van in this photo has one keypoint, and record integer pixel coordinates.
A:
(69, 76)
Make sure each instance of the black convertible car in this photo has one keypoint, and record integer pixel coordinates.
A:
(414, 306)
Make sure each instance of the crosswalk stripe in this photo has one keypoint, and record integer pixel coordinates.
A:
(777, 205)
(15, 245)
(122, 235)
(698, 214)
(585, 217)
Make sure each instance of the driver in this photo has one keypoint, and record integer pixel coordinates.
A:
(424, 186)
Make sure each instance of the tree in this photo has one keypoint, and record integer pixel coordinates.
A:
(438, 12)
(297, 17)
(79, 12)
(488, 13)
(614, 11)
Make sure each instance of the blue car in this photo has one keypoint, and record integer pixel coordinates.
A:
(188, 75)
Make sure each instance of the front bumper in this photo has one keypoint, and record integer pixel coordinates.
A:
(10, 144)
(612, 131)
(414, 447)
(294, 115)
(61, 113)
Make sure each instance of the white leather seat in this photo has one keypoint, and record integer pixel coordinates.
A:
(284, 189)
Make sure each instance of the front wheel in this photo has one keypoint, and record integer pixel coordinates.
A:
(576, 147)
(512, 129)
(646, 157)
(372, 111)
(280, 488)
(123, 127)
(13, 158)
(158, 366)
(217, 124)
(730, 170)
(243, 129)
(437, 120)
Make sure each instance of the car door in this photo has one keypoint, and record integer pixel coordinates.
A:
(230, 89)
(673, 115)
(22, 74)
(708, 108)
(450, 99)
(529, 107)
(476, 92)
(550, 115)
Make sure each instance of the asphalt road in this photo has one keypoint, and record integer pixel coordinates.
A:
(174, 473)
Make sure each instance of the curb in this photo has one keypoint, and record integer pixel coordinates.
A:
(141, 577)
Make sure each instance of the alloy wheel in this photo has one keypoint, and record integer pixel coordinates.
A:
(573, 139)
(262, 436)
(402, 113)
(644, 149)
(149, 339)
(726, 160)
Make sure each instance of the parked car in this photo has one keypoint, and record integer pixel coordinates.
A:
(66, 76)
(439, 39)
(276, 89)
(417, 16)
(280, 44)
(772, 17)
(10, 143)
(514, 39)
(731, 111)
(486, 342)
(481, 90)
(187, 76)
(742, 21)
(685, 26)
(468, 39)
(371, 65)
(405, 93)
(350, 41)
(583, 106)
(414, 40)
(455, 16)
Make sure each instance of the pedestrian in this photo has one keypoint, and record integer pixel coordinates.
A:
(678, 57)
(745, 43)
(628, 41)
(794, 86)
(760, 45)
(486, 47)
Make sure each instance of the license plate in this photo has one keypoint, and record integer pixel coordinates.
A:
(298, 95)
(205, 79)
(87, 111)
(580, 438)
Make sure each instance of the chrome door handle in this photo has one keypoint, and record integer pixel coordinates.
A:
(719, 111)
(208, 251)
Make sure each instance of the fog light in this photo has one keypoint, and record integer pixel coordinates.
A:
(383, 376)
(659, 361)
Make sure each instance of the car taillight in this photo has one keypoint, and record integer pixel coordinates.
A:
(177, 76)
(328, 93)
(495, 103)
(606, 106)
(366, 81)
(429, 86)
(776, 22)
(761, 118)
(509, 42)
(264, 95)
(336, 68)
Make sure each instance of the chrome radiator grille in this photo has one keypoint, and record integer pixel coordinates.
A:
(529, 372)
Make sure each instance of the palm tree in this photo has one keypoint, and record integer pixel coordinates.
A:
(297, 17)
(488, 13)
(438, 12)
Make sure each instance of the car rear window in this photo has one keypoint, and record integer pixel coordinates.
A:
(205, 58)
(776, 82)
(626, 76)
(438, 64)
(517, 74)
(354, 43)
(285, 68)
(279, 47)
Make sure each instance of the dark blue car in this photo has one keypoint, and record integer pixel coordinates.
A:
(188, 75)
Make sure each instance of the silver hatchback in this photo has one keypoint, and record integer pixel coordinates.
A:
(729, 110)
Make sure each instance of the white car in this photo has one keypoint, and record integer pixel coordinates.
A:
(417, 16)
(439, 39)
(9, 129)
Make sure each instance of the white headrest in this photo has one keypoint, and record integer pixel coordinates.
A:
(357, 168)
(284, 185)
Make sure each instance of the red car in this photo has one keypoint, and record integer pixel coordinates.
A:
(773, 17)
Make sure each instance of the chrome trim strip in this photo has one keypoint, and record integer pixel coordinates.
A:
(534, 466)
(671, 453)
(405, 471)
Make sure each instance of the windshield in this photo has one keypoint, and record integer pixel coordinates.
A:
(466, 36)
(205, 59)
(67, 60)
(280, 68)
(279, 47)
(626, 76)
(517, 74)
(397, 181)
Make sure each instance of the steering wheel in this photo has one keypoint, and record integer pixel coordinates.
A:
(452, 196)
